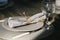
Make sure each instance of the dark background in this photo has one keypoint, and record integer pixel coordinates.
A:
(56, 33)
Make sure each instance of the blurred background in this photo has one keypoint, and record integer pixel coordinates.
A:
(17, 7)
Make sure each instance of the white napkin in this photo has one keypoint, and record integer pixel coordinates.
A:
(13, 23)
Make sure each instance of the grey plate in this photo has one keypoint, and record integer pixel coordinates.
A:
(31, 27)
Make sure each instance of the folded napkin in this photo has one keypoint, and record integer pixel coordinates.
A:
(18, 22)
(15, 22)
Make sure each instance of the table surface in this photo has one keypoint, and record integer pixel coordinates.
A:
(6, 34)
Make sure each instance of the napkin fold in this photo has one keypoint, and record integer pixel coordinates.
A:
(18, 22)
